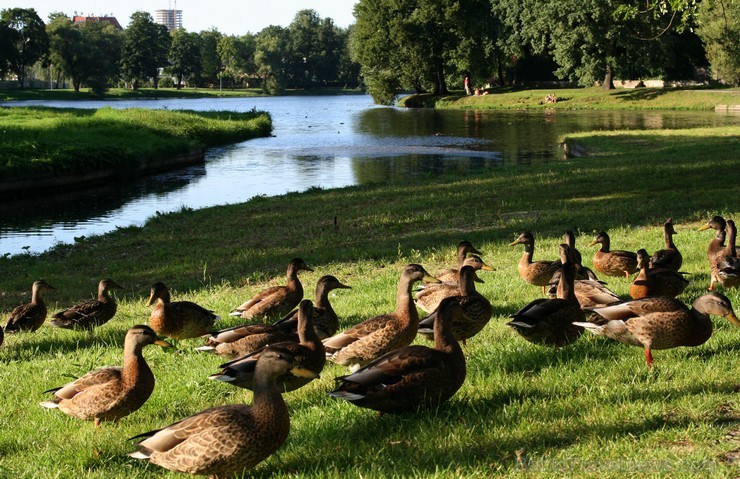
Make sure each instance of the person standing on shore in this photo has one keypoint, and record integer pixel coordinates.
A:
(467, 85)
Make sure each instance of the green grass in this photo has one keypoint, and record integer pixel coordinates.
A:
(36, 141)
(584, 98)
(591, 409)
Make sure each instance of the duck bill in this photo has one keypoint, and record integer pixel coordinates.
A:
(302, 372)
(151, 300)
(343, 286)
(485, 267)
(593, 243)
(430, 279)
(514, 243)
(733, 319)
(163, 343)
(704, 227)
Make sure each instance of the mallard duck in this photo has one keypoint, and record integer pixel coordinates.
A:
(30, 316)
(308, 353)
(91, 313)
(655, 281)
(670, 257)
(477, 310)
(716, 247)
(659, 322)
(613, 262)
(727, 270)
(590, 291)
(549, 322)
(537, 273)
(277, 300)
(453, 274)
(178, 319)
(226, 440)
(413, 376)
(247, 338)
(110, 393)
(429, 297)
(376, 336)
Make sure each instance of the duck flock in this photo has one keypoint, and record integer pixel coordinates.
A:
(386, 372)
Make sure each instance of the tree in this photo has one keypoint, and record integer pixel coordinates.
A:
(145, 48)
(185, 59)
(719, 29)
(24, 40)
(271, 51)
(237, 56)
(211, 66)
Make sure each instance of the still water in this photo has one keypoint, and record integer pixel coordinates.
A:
(318, 141)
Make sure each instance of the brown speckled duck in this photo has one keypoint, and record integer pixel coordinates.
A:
(245, 339)
(727, 270)
(655, 281)
(659, 322)
(308, 353)
(537, 273)
(411, 377)
(429, 297)
(91, 313)
(464, 248)
(278, 300)
(613, 262)
(225, 440)
(716, 248)
(30, 316)
(549, 322)
(476, 308)
(177, 319)
(110, 393)
(374, 337)
(669, 257)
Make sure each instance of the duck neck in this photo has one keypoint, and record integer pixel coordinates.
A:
(528, 252)
(103, 295)
(605, 245)
(321, 300)
(467, 285)
(268, 404)
(460, 257)
(405, 307)
(37, 296)
(444, 338)
(730, 249)
(134, 365)
(566, 289)
(306, 332)
(668, 237)
(702, 327)
(292, 280)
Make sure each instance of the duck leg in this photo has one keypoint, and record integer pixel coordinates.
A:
(649, 357)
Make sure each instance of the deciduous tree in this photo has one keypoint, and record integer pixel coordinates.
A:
(24, 40)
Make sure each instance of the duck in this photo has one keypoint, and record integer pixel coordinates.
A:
(308, 353)
(669, 257)
(727, 270)
(464, 248)
(613, 262)
(537, 273)
(111, 393)
(716, 248)
(411, 377)
(370, 339)
(244, 339)
(655, 281)
(177, 319)
(90, 313)
(660, 322)
(226, 440)
(590, 291)
(477, 310)
(278, 300)
(30, 316)
(549, 322)
(429, 297)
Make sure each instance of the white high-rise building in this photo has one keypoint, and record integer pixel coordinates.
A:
(172, 19)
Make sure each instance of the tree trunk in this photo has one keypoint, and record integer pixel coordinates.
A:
(608, 78)
(76, 84)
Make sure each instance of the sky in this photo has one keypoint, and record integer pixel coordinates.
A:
(230, 17)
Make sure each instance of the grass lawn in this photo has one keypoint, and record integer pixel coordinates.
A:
(591, 409)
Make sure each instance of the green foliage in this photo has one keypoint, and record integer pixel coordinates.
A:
(23, 40)
(271, 46)
(145, 47)
(185, 56)
(40, 142)
(589, 410)
(719, 29)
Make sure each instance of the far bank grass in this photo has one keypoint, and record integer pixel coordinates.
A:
(591, 409)
(36, 141)
(583, 98)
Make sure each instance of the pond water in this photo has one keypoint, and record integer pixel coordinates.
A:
(318, 141)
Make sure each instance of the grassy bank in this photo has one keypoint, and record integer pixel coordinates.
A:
(43, 141)
(582, 98)
(591, 409)
(151, 93)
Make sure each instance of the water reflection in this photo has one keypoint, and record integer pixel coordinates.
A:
(318, 142)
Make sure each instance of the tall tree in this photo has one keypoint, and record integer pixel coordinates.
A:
(270, 56)
(24, 40)
(185, 59)
(210, 60)
(237, 57)
(719, 29)
(145, 48)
